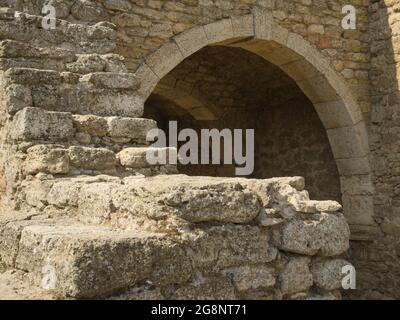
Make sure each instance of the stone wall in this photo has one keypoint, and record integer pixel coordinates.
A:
(71, 105)
(179, 237)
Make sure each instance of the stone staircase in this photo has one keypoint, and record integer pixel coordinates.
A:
(83, 207)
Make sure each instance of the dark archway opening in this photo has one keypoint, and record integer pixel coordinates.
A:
(223, 87)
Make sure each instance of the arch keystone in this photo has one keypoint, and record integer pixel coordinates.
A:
(219, 31)
(243, 26)
(263, 21)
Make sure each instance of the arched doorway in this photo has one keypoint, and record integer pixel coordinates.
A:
(325, 90)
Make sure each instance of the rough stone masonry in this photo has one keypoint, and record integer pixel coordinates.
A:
(84, 216)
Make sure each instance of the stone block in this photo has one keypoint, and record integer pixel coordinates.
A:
(219, 31)
(90, 124)
(112, 80)
(296, 277)
(327, 234)
(133, 128)
(191, 41)
(327, 274)
(165, 59)
(37, 124)
(107, 103)
(28, 76)
(243, 26)
(251, 277)
(263, 21)
(349, 142)
(47, 159)
(92, 158)
(118, 259)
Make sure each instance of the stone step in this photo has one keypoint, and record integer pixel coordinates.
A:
(18, 54)
(177, 234)
(73, 260)
(125, 201)
(59, 159)
(99, 38)
(33, 124)
(103, 94)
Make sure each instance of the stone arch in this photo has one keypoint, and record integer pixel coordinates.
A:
(334, 102)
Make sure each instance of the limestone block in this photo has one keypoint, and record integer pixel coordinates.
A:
(87, 63)
(318, 89)
(89, 11)
(349, 142)
(281, 56)
(147, 79)
(243, 26)
(327, 234)
(90, 124)
(279, 34)
(219, 31)
(17, 97)
(263, 21)
(134, 128)
(357, 185)
(165, 59)
(118, 259)
(28, 76)
(47, 159)
(119, 5)
(17, 49)
(215, 288)
(92, 158)
(112, 80)
(333, 114)
(327, 274)
(300, 70)
(359, 209)
(296, 277)
(35, 124)
(354, 166)
(136, 157)
(251, 277)
(107, 103)
(194, 200)
(95, 202)
(191, 41)
(230, 246)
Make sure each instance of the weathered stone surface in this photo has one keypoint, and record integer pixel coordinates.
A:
(351, 80)
(48, 159)
(36, 124)
(67, 249)
(105, 103)
(137, 157)
(93, 125)
(112, 80)
(27, 76)
(195, 200)
(133, 128)
(92, 158)
(252, 277)
(326, 234)
(327, 274)
(17, 97)
(296, 277)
